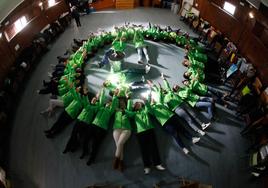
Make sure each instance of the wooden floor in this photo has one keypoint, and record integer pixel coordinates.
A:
(37, 162)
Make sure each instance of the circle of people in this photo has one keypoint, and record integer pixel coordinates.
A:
(168, 105)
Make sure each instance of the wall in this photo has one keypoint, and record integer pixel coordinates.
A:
(103, 4)
(239, 28)
(38, 20)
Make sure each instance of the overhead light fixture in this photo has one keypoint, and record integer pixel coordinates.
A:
(251, 15)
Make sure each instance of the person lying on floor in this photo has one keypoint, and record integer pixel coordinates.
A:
(49, 87)
(69, 114)
(153, 32)
(195, 101)
(93, 124)
(145, 135)
(82, 125)
(191, 62)
(65, 90)
(140, 46)
(195, 54)
(194, 73)
(202, 89)
(121, 128)
(124, 87)
(119, 44)
(176, 104)
(167, 119)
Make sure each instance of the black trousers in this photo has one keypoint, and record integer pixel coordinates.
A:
(93, 139)
(63, 121)
(77, 20)
(149, 149)
(78, 134)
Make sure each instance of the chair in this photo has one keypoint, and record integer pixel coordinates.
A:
(257, 161)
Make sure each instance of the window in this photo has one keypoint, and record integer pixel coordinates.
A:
(15, 28)
(20, 24)
(230, 8)
(51, 3)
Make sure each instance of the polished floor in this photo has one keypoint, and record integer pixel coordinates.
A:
(38, 162)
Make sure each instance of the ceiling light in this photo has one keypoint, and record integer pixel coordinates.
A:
(251, 15)
(40, 4)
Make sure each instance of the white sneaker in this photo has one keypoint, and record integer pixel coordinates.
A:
(143, 79)
(185, 150)
(147, 171)
(160, 167)
(201, 132)
(205, 125)
(147, 68)
(255, 174)
(195, 139)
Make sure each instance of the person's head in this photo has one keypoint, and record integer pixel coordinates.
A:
(78, 89)
(186, 62)
(186, 82)
(176, 88)
(85, 91)
(187, 75)
(138, 106)
(106, 83)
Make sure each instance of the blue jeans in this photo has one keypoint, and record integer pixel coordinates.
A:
(184, 115)
(172, 127)
(205, 102)
(105, 59)
(214, 92)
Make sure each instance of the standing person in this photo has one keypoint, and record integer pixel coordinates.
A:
(146, 137)
(75, 14)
